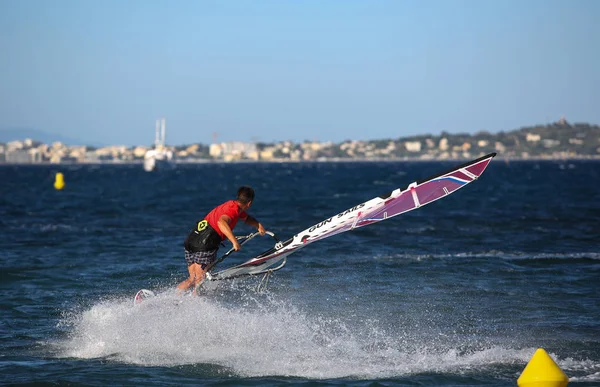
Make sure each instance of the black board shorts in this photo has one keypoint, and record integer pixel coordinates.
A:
(202, 258)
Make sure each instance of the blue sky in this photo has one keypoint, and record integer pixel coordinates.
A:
(104, 71)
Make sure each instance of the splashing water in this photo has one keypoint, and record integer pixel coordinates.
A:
(264, 336)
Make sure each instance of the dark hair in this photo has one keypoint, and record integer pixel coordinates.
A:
(245, 195)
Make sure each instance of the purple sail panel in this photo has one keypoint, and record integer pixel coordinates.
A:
(436, 189)
(427, 191)
(478, 168)
(391, 207)
(441, 186)
(399, 205)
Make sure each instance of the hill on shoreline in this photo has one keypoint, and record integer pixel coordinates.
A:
(559, 139)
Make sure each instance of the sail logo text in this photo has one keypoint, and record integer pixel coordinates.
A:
(316, 226)
(350, 210)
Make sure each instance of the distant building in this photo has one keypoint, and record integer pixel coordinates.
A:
(18, 156)
(413, 146)
(236, 150)
(443, 144)
(548, 143)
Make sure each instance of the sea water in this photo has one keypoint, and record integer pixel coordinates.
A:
(459, 292)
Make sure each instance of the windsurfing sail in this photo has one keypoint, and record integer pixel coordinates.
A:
(386, 206)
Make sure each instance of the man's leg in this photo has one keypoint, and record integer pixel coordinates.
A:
(197, 267)
(191, 280)
(196, 275)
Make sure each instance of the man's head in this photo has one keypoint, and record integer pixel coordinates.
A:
(245, 196)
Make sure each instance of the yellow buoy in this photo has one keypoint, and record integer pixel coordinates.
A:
(59, 181)
(542, 371)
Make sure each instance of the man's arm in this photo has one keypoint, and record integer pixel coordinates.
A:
(251, 221)
(223, 224)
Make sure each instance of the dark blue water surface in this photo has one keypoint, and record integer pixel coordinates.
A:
(459, 292)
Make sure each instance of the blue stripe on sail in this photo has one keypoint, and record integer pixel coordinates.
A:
(454, 179)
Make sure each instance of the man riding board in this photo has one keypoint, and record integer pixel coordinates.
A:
(203, 241)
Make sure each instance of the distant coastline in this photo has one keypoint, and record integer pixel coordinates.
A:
(366, 161)
(557, 141)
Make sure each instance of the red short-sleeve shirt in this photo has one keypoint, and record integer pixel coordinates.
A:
(229, 208)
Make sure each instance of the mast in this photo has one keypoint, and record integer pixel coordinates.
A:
(157, 134)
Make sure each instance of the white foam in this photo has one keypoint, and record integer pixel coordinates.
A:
(259, 335)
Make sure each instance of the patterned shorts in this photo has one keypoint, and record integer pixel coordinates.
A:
(202, 258)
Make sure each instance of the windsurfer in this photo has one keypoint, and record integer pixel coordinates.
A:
(203, 241)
